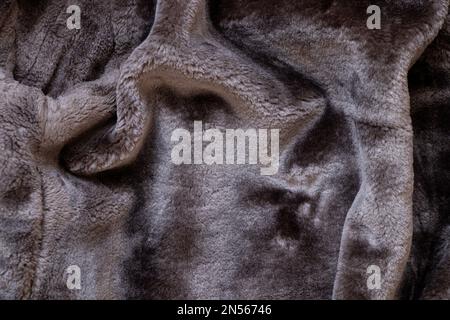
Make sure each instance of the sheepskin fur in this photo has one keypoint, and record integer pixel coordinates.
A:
(86, 177)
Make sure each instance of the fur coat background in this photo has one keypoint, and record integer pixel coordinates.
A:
(86, 179)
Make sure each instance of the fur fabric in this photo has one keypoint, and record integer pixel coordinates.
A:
(86, 178)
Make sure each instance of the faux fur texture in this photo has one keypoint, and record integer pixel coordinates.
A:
(86, 177)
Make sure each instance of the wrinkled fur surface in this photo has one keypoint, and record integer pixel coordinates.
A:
(86, 178)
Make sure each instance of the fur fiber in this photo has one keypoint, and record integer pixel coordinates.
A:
(85, 171)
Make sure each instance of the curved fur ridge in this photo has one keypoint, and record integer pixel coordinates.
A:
(200, 61)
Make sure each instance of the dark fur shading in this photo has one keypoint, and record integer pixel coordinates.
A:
(86, 178)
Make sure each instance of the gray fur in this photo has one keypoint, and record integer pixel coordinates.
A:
(86, 178)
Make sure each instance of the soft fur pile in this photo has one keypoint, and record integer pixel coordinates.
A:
(86, 178)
